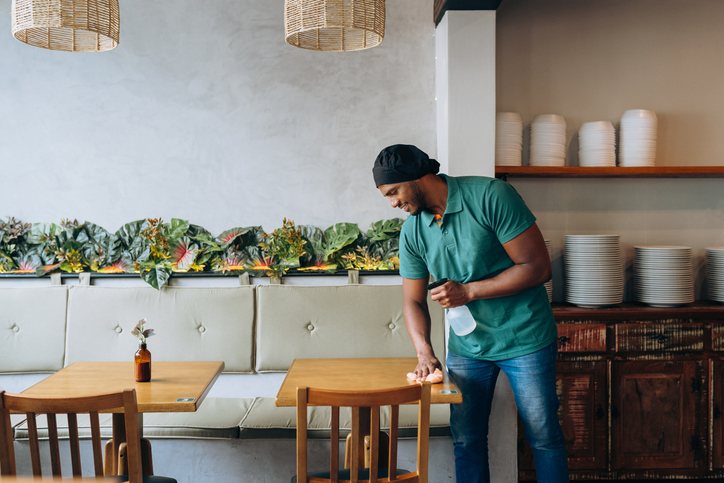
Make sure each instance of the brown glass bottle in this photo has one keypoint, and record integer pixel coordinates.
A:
(143, 364)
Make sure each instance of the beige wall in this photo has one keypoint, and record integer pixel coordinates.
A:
(592, 60)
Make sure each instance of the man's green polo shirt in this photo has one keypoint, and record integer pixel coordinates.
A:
(481, 215)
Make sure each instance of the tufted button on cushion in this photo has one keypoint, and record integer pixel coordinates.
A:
(391, 326)
(119, 329)
(202, 329)
(16, 328)
(310, 327)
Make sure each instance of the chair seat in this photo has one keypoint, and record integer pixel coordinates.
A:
(364, 474)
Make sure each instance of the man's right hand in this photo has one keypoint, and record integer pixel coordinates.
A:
(426, 364)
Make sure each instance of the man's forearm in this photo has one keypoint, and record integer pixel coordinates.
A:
(417, 320)
(516, 279)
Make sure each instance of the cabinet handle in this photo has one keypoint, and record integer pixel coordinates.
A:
(716, 414)
(695, 384)
(599, 412)
(563, 340)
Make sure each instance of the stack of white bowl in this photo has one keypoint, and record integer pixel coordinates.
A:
(715, 273)
(638, 138)
(549, 283)
(594, 270)
(548, 140)
(508, 139)
(597, 144)
(663, 275)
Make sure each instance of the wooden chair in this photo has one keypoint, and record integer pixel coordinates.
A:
(72, 407)
(357, 400)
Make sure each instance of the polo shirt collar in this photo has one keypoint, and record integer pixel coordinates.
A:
(454, 203)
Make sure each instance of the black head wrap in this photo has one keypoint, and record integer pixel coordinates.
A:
(402, 162)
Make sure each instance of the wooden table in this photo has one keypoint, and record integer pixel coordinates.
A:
(174, 387)
(351, 374)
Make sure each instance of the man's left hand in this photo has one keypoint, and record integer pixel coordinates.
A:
(451, 294)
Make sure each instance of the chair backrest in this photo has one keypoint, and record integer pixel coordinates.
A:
(91, 405)
(419, 393)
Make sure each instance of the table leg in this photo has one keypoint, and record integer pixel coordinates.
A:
(115, 449)
(364, 443)
(113, 445)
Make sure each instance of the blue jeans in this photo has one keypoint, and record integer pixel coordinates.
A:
(533, 380)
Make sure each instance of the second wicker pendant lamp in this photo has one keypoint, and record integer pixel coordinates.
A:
(334, 25)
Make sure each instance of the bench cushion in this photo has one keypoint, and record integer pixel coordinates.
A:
(335, 321)
(32, 329)
(216, 418)
(84, 432)
(265, 420)
(202, 324)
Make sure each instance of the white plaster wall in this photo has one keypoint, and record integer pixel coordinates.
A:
(203, 112)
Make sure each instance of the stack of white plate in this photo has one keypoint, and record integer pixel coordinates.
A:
(508, 139)
(663, 275)
(548, 140)
(549, 283)
(715, 273)
(597, 144)
(594, 271)
(638, 138)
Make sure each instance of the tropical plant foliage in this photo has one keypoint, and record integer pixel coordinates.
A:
(155, 249)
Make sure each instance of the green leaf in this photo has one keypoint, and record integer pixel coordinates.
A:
(385, 229)
(196, 231)
(103, 248)
(339, 236)
(134, 247)
(176, 229)
(227, 238)
(183, 254)
(155, 273)
(314, 244)
(41, 233)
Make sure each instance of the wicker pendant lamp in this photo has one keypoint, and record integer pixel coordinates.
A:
(334, 25)
(69, 25)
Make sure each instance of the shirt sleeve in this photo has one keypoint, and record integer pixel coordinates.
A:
(507, 212)
(412, 266)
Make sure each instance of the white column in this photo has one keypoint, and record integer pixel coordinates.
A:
(465, 92)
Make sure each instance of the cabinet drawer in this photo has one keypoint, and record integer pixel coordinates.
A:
(582, 337)
(653, 337)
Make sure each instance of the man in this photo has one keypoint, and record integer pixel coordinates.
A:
(478, 233)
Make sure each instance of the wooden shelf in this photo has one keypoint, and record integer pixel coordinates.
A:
(609, 172)
(698, 309)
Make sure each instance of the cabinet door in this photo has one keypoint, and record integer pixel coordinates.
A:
(581, 388)
(653, 414)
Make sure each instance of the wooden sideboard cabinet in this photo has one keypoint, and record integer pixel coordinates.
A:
(641, 392)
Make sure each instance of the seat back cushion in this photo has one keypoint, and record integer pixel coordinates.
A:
(191, 324)
(335, 321)
(32, 329)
